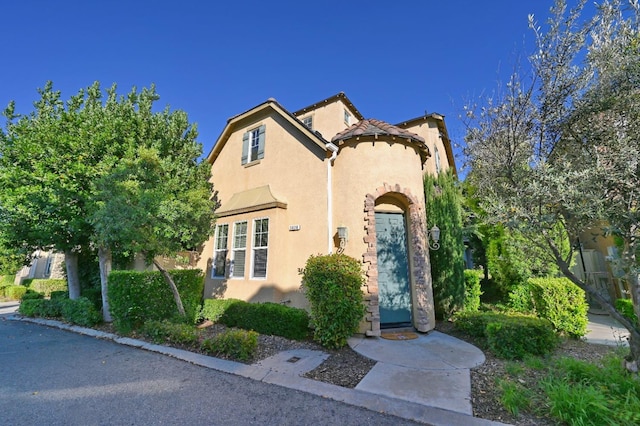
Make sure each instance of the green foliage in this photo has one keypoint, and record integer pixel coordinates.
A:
(14, 292)
(59, 294)
(514, 397)
(561, 302)
(6, 280)
(520, 298)
(444, 209)
(516, 337)
(508, 336)
(581, 393)
(168, 331)
(136, 297)
(472, 290)
(39, 308)
(625, 307)
(30, 294)
(79, 311)
(213, 309)
(46, 286)
(267, 318)
(238, 344)
(333, 286)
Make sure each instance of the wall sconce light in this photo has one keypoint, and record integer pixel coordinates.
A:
(434, 235)
(343, 236)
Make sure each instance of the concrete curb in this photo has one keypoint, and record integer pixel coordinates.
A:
(370, 401)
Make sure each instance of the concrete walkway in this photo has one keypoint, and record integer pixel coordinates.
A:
(432, 370)
(604, 330)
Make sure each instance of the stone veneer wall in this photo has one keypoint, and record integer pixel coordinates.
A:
(421, 287)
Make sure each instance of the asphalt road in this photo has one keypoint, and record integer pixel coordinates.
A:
(54, 377)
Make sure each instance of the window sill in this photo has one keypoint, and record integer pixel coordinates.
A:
(251, 164)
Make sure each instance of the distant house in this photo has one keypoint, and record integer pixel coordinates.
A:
(45, 264)
(319, 180)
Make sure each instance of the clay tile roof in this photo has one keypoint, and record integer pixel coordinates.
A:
(373, 127)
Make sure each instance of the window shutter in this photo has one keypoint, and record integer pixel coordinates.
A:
(245, 147)
(261, 142)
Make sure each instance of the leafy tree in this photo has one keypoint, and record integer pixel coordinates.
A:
(444, 209)
(559, 153)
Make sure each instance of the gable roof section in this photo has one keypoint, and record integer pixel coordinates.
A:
(442, 128)
(379, 128)
(329, 100)
(269, 104)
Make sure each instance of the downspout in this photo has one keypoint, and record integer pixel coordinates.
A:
(334, 153)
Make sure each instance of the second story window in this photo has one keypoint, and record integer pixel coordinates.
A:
(347, 118)
(308, 121)
(253, 145)
(436, 156)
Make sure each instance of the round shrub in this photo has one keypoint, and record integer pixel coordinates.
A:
(472, 291)
(333, 286)
(30, 294)
(15, 292)
(517, 336)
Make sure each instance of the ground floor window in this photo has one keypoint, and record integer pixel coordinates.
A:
(220, 251)
(260, 248)
(239, 249)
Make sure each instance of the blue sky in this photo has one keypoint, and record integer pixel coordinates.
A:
(214, 59)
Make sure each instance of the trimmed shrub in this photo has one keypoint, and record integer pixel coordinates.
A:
(32, 295)
(79, 311)
(268, 318)
(59, 294)
(135, 297)
(167, 331)
(14, 292)
(40, 308)
(212, 309)
(561, 302)
(46, 286)
(520, 298)
(508, 336)
(6, 280)
(625, 307)
(515, 337)
(238, 344)
(472, 291)
(333, 285)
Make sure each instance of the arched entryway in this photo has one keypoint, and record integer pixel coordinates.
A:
(398, 268)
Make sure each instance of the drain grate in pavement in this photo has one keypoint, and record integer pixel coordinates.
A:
(293, 359)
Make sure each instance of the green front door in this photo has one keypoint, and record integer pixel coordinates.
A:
(393, 270)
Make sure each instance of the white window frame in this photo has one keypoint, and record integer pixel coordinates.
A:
(254, 144)
(255, 248)
(308, 121)
(235, 249)
(347, 118)
(218, 249)
(436, 156)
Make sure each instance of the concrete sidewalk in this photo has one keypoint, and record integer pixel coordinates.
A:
(604, 330)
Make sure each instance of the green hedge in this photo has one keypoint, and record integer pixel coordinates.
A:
(79, 311)
(13, 292)
(515, 337)
(561, 302)
(213, 309)
(625, 307)
(507, 335)
(239, 344)
(167, 331)
(46, 286)
(472, 291)
(268, 318)
(136, 297)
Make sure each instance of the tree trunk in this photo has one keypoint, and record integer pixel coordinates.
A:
(633, 360)
(104, 258)
(172, 286)
(73, 282)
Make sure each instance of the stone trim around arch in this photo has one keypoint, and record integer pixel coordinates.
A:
(420, 266)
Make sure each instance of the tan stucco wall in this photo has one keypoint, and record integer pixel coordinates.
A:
(295, 170)
(428, 129)
(360, 168)
(328, 119)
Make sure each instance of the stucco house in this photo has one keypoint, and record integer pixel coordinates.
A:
(319, 180)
